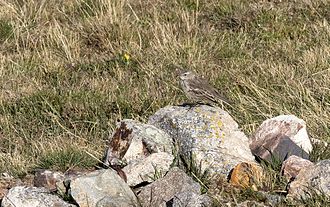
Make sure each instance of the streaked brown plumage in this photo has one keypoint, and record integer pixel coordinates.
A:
(199, 90)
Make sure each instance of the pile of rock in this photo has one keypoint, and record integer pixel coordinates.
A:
(140, 162)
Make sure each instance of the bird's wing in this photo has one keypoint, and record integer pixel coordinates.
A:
(214, 92)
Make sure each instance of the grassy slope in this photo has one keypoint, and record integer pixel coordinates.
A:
(65, 81)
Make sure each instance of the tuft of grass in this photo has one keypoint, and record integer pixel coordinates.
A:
(273, 181)
(194, 170)
(6, 30)
(320, 152)
(66, 159)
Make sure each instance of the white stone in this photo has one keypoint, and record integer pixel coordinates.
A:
(22, 196)
(100, 187)
(144, 170)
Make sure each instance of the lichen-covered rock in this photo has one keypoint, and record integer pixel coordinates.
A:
(100, 187)
(247, 175)
(314, 179)
(22, 196)
(209, 135)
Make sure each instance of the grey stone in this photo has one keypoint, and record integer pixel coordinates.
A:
(207, 133)
(191, 199)
(165, 189)
(249, 203)
(314, 179)
(22, 196)
(144, 170)
(99, 187)
(277, 147)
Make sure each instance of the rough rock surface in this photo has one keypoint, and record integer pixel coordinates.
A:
(316, 178)
(134, 140)
(279, 147)
(144, 170)
(100, 187)
(6, 182)
(208, 134)
(190, 199)
(292, 166)
(165, 189)
(249, 203)
(283, 136)
(47, 179)
(22, 196)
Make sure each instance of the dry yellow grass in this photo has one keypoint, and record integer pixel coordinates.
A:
(65, 79)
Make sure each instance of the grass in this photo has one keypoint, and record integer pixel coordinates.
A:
(65, 77)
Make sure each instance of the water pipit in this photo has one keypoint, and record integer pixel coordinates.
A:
(198, 90)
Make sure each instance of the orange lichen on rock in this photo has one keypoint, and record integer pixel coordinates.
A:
(246, 175)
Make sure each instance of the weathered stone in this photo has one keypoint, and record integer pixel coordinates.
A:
(281, 136)
(247, 175)
(99, 187)
(22, 196)
(6, 182)
(190, 199)
(134, 140)
(249, 203)
(292, 166)
(164, 190)
(207, 134)
(314, 179)
(63, 185)
(144, 170)
(279, 147)
(47, 179)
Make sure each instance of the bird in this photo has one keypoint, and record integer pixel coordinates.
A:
(198, 90)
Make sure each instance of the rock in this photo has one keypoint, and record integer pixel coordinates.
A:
(247, 175)
(22, 196)
(100, 187)
(292, 166)
(249, 203)
(63, 185)
(134, 140)
(6, 182)
(314, 179)
(273, 199)
(282, 136)
(190, 199)
(47, 179)
(165, 189)
(112, 202)
(278, 148)
(144, 170)
(207, 134)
